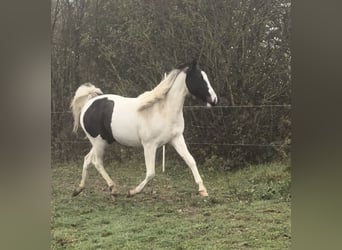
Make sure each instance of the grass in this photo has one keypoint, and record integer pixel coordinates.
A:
(246, 209)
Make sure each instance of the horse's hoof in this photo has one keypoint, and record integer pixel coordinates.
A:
(113, 191)
(130, 193)
(203, 193)
(115, 194)
(77, 191)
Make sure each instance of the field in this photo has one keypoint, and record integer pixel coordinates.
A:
(246, 209)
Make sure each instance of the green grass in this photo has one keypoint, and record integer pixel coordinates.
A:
(246, 209)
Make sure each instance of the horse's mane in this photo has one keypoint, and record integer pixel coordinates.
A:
(148, 98)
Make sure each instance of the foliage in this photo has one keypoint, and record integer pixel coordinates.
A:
(247, 209)
(125, 46)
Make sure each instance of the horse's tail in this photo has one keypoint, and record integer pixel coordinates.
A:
(82, 95)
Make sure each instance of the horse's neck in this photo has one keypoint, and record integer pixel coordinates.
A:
(176, 96)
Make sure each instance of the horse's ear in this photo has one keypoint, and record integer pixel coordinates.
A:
(193, 64)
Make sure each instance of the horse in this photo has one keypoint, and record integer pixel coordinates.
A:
(151, 120)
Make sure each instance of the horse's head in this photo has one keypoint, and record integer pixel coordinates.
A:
(199, 86)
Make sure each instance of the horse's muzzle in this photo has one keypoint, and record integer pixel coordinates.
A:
(211, 101)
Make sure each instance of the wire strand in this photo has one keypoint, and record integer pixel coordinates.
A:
(215, 107)
(198, 126)
(201, 143)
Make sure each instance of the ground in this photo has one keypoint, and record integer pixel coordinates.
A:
(246, 209)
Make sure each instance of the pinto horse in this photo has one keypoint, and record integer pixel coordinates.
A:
(150, 120)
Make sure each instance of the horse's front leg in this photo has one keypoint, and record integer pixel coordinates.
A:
(150, 156)
(179, 144)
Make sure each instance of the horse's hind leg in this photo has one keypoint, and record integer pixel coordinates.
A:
(86, 164)
(95, 156)
(98, 162)
(179, 144)
(150, 156)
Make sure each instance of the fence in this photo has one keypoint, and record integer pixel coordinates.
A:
(236, 135)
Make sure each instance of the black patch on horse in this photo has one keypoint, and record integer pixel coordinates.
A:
(97, 119)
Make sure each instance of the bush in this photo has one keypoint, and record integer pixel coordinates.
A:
(124, 47)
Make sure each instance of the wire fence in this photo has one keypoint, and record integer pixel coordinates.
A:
(239, 134)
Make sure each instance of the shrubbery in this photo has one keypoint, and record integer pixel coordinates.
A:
(124, 47)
